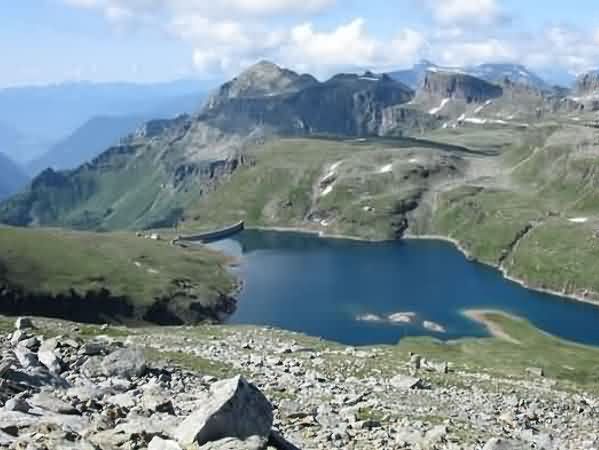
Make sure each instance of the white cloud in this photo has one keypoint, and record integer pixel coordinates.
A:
(215, 8)
(482, 12)
(350, 47)
(570, 48)
(476, 52)
(347, 43)
(228, 35)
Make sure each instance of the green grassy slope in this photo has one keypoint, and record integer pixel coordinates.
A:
(48, 263)
(561, 360)
(284, 186)
(529, 225)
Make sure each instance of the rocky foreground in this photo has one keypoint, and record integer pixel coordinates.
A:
(92, 388)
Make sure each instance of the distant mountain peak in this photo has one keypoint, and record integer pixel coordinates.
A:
(490, 72)
(262, 79)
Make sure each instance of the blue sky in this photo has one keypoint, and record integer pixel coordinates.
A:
(47, 41)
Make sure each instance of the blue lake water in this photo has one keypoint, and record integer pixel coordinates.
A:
(326, 287)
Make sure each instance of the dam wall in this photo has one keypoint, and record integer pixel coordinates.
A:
(216, 235)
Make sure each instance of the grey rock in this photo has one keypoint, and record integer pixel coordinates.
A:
(415, 361)
(233, 408)
(536, 371)
(123, 400)
(279, 442)
(27, 359)
(155, 401)
(47, 356)
(36, 377)
(92, 348)
(160, 425)
(251, 443)
(498, 444)
(19, 336)
(404, 382)
(31, 343)
(124, 363)
(157, 443)
(17, 404)
(47, 401)
(23, 323)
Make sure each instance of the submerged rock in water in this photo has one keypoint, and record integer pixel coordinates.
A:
(402, 317)
(369, 318)
(434, 327)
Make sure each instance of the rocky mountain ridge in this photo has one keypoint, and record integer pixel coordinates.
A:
(490, 72)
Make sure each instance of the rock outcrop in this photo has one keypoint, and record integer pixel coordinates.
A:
(455, 85)
(345, 105)
(588, 84)
(113, 400)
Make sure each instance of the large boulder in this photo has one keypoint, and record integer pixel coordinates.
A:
(234, 408)
(124, 363)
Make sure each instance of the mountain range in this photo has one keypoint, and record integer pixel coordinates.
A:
(33, 119)
(153, 177)
(489, 72)
(85, 143)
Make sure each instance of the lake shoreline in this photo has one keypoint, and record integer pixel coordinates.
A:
(479, 316)
(434, 237)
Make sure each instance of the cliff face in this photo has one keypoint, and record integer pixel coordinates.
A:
(346, 104)
(459, 86)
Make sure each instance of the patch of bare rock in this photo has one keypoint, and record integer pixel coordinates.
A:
(62, 393)
(71, 393)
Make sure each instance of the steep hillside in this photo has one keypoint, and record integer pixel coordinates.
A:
(94, 277)
(87, 142)
(145, 181)
(12, 177)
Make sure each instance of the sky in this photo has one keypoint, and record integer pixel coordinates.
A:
(51, 41)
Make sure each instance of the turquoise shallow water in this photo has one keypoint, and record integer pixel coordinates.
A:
(345, 290)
